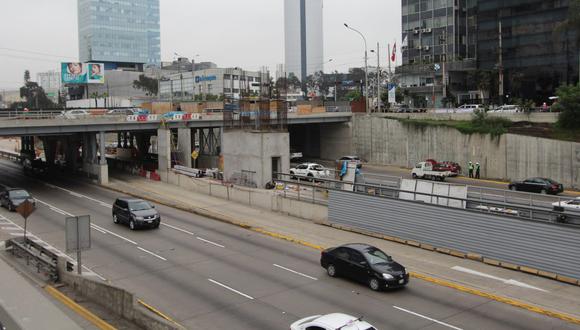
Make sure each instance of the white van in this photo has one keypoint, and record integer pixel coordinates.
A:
(469, 107)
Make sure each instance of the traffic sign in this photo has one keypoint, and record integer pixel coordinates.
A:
(194, 154)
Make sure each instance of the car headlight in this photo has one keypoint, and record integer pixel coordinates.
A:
(387, 276)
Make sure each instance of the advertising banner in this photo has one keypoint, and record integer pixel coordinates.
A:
(392, 93)
(82, 73)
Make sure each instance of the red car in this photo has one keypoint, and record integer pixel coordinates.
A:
(443, 166)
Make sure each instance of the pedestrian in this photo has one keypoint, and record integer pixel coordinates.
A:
(477, 166)
(470, 168)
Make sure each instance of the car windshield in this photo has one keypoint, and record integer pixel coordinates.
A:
(19, 194)
(139, 206)
(376, 256)
(550, 181)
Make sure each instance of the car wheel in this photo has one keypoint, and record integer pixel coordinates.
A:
(513, 188)
(331, 270)
(157, 225)
(132, 224)
(310, 177)
(543, 192)
(374, 284)
(10, 207)
(292, 177)
(414, 175)
(115, 219)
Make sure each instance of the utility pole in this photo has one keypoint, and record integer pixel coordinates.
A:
(366, 67)
(379, 77)
(500, 66)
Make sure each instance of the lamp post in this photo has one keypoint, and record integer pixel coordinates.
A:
(366, 67)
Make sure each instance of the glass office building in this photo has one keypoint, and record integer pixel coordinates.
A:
(119, 32)
(538, 51)
(439, 48)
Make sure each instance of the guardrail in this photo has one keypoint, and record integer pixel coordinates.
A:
(317, 189)
(36, 255)
(10, 155)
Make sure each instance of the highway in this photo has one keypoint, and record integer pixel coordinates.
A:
(212, 275)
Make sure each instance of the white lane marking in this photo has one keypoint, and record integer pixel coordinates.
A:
(99, 230)
(105, 204)
(10, 228)
(231, 289)
(50, 247)
(295, 272)
(178, 229)
(117, 235)
(57, 211)
(506, 281)
(427, 318)
(210, 242)
(54, 208)
(151, 253)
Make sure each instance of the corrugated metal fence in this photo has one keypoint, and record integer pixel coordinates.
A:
(544, 246)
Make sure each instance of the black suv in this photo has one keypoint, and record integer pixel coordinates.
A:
(12, 197)
(137, 213)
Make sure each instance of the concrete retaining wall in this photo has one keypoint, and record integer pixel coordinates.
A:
(264, 199)
(508, 157)
(115, 299)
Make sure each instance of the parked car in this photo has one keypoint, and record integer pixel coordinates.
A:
(537, 185)
(331, 322)
(137, 213)
(366, 264)
(11, 198)
(127, 111)
(573, 204)
(507, 108)
(311, 170)
(74, 114)
(355, 159)
(469, 108)
(426, 170)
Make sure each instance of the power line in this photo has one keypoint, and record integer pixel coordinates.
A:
(35, 52)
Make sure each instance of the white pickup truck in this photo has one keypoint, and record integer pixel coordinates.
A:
(424, 170)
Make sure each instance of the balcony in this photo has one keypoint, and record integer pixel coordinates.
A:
(463, 65)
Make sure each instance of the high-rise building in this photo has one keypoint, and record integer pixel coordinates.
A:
(303, 37)
(119, 33)
(439, 49)
(50, 83)
(538, 51)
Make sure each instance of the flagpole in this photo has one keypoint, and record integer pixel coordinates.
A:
(389, 45)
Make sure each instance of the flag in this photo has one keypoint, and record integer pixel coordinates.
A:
(394, 54)
(405, 42)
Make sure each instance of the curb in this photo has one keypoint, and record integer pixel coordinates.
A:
(80, 310)
(159, 313)
(463, 255)
(509, 301)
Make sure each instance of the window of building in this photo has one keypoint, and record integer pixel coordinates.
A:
(227, 76)
(235, 77)
(258, 79)
(250, 79)
(227, 90)
(236, 90)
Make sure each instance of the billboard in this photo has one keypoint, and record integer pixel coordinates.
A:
(82, 73)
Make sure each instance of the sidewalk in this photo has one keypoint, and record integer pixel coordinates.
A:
(544, 293)
(27, 304)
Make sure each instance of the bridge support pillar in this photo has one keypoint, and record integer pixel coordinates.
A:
(27, 147)
(164, 152)
(184, 145)
(49, 145)
(103, 171)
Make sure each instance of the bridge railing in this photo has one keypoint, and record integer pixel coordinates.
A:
(35, 255)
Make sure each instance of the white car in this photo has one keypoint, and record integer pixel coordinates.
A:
(312, 170)
(331, 322)
(507, 108)
(573, 204)
(469, 108)
(74, 114)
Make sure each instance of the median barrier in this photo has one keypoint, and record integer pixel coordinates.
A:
(117, 300)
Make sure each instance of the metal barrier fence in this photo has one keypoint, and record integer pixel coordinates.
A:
(36, 255)
(532, 211)
(539, 245)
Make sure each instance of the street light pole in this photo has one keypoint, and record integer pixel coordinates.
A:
(366, 67)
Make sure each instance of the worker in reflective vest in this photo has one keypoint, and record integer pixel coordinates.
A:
(470, 168)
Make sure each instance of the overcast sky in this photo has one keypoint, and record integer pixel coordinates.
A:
(39, 34)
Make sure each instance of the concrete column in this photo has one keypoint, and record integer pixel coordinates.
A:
(49, 150)
(103, 167)
(143, 141)
(184, 145)
(164, 151)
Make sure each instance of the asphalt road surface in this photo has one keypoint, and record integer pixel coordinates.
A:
(216, 276)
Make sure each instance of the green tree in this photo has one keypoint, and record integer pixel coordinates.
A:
(569, 106)
(353, 95)
(148, 85)
(33, 94)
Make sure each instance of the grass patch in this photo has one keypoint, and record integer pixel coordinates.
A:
(559, 133)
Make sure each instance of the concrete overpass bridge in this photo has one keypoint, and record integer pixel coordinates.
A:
(85, 138)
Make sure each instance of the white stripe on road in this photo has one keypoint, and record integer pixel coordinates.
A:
(151, 253)
(79, 195)
(506, 281)
(178, 229)
(9, 228)
(54, 208)
(99, 230)
(295, 272)
(210, 242)
(57, 211)
(110, 232)
(427, 318)
(231, 289)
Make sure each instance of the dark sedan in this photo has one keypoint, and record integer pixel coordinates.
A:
(366, 264)
(537, 185)
(11, 198)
